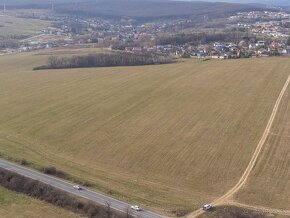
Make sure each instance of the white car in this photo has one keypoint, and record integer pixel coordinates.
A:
(135, 207)
(77, 187)
(207, 207)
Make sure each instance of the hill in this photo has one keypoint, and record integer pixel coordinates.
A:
(265, 2)
(28, 4)
(137, 9)
(152, 8)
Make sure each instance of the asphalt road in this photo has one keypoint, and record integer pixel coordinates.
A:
(68, 187)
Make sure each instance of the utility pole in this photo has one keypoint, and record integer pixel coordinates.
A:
(52, 6)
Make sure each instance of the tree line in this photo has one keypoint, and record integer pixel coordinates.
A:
(201, 38)
(45, 192)
(104, 60)
(11, 41)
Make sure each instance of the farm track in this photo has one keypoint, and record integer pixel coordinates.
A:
(224, 199)
(174, 114)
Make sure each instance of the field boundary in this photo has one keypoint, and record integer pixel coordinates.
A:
(261, 208)
(222, 200)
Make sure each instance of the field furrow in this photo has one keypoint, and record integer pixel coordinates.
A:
(169, 136)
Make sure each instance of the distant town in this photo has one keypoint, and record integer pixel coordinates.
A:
(256, 34)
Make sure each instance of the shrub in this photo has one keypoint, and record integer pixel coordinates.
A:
(53, 171)
(36, 189)
(24, 162)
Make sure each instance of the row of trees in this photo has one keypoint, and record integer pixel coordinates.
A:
(104, 60)
(288, 41)
(9, 43)
(197, 38)
(55, 196)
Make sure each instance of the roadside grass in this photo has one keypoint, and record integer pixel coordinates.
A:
(17, 205)
(269, 183)
(168, 137)
(19, 26)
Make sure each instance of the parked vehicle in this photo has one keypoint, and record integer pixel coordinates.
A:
(207, 207)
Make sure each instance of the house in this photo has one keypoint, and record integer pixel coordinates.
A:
(274, 45)
(263, 52)
(244, 44)
(128, 49)
(137, 49)
(260, 43)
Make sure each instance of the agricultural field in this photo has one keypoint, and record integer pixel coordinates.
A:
(231, 211)
(168, 137)
(269, 183)
(18, 26)
(16, 205)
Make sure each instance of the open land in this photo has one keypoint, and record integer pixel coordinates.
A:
(170, 136)
(232, 211)
(227, 198)
(19, 26)
(269, 183)
(17, 205)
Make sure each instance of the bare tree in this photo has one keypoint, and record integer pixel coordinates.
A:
(108, 206)
(128, 212)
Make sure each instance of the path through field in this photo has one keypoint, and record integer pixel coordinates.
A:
(223, 199)
(184, 120)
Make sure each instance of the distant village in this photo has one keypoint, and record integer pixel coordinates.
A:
(268, 34)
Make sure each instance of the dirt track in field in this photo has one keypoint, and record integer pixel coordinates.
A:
(225, 198)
